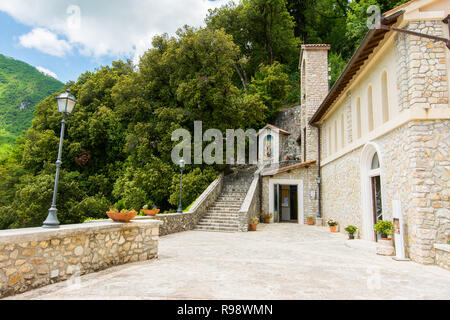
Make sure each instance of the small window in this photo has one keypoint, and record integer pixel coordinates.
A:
(375, 162)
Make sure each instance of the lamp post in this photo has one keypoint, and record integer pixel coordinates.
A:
(66, 104)
(182, 162)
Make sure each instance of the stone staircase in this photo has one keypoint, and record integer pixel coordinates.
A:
(223, 215)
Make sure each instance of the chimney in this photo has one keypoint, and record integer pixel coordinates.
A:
(313, 67)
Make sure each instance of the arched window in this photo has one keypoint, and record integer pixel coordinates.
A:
(375, 162)
(384, 97)
(370, 108)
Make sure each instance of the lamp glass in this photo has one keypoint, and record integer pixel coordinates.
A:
(182, 163)
(66, 102)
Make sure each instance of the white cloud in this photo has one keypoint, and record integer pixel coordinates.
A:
(104, 27)
(45, 41)
(47, 72)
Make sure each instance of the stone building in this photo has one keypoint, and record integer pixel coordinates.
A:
(379, 136)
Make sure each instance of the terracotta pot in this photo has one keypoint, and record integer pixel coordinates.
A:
(253, 227)
(333, 228)
(310, 222)
(153, 212)
(122, 217)
(267, 220)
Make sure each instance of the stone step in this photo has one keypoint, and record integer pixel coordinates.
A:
(222, 213)
(219, 218)
(230, 204)
(217, 229)
(223, 209)
(217, 224)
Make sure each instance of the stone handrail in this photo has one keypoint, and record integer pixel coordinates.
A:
(250, 206)
(179, 222)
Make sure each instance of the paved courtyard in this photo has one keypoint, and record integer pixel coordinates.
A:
(280, 261)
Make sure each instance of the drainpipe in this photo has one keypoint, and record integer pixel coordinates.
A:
(319, 175)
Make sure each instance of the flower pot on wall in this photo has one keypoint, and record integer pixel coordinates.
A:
(333, 228)
(310, 222)
(122, 216)
(153, 212)
(253, 227)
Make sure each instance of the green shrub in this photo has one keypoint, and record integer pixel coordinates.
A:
(351, 229)
(194, 183)
(383, 227)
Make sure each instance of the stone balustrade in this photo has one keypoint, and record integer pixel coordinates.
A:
(35, 257)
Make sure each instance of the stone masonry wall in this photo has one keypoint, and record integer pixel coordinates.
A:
(35, 257)
(308, 175)
(252, 204)
(341, 191)
(314, 87)
(289, 120)
(422, 69)
(414, 170)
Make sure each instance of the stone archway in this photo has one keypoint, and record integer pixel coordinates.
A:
(371, 199)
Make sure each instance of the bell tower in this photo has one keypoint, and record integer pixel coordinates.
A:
(314, 85)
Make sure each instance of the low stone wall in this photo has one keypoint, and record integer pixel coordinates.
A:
(442, 255)
(251, 206)
(179, 222)
(35, 257)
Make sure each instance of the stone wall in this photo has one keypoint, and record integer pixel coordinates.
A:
(308, 175)
(414, 169)
(251, 207)
(443, 255)
(289, 120)
(179, 222)
(35, 257)
(422, 69)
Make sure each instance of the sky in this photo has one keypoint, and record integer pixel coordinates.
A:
(64, 38)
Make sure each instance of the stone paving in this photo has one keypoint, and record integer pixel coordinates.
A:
(280, 261)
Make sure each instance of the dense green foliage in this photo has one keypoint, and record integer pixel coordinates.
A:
(22, 87)
(235, 73)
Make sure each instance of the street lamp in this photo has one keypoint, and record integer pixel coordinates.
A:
(66, 104)
(182, 163)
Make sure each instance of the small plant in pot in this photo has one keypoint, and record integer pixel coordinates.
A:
(384, 228)
(150, 209)
(266, 217)
(332, 224)
(253, 224)
(351, 230)
(119, 213)
(310, 220)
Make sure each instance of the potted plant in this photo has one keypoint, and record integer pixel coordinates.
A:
(266, 217)
(153, 211)
(119, 213)
(332, 224)
(310, 220)
(253, 223)
(384, 228)
(351, 232)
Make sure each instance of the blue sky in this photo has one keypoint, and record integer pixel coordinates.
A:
(69, 37)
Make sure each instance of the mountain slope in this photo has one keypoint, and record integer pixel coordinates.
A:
(22, 87)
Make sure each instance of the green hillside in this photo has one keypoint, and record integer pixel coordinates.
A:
(22, 87)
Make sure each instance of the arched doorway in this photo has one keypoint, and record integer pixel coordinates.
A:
(371, 190)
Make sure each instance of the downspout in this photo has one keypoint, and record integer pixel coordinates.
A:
(319, 175)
